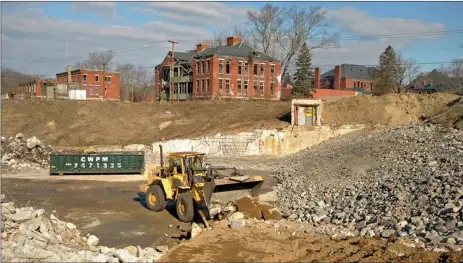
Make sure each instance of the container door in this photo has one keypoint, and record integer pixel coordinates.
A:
(300, 116)
(50, 92)
(309, 116)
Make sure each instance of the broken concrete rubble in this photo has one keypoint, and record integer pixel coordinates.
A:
(20, 154)
(402, 182)
(29, 236)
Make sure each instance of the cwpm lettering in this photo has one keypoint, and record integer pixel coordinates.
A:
(96, 162)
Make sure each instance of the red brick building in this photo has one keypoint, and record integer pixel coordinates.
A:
(97, 86)
(232, 71)
(235, 71)
(346, 76)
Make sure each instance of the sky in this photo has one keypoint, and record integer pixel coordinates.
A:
(43, 37)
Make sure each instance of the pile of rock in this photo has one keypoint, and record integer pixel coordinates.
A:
(405, 182)
(21, 154)
(29, 235)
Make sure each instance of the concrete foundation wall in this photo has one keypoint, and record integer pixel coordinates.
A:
(256, 143)
(259, 142)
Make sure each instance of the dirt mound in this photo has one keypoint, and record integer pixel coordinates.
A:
(285, 242)
(84, 123)
(453, 116)
(390, 110)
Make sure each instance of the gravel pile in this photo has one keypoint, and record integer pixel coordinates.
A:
(28, 235)
(20, 154)
(405, 182)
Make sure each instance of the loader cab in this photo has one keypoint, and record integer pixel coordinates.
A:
(179, 161)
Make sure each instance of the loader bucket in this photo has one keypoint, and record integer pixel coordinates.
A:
(234, 188)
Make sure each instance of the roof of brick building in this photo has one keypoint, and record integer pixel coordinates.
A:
(351, 71)
(240, 50)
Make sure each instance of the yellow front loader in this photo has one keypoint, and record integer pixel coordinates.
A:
(192, 184)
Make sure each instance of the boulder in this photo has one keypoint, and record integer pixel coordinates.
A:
(92, 240)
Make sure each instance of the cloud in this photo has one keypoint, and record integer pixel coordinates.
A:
(360, 23)
(397, 32)
(107, 9)
(37, 44)
(207, 14)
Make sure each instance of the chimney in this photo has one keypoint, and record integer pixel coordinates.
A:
(69, 73)
(231, 41)
(337, 77)
(317, 78)
(201, 47)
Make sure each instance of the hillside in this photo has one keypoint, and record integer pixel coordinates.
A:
(84, 123)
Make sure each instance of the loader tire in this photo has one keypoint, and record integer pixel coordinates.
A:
(185, 207)
(155, 199)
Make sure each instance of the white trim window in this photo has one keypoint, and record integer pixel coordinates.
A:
(240, 87)
(262, 88)
(220, 85)
(227, 86)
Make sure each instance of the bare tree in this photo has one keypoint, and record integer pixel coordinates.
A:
(11, 79)
(96, 60)
(405, 70)
(219, 38)
(266, 27)
(304, 26)
(455, 72)
(136, 82)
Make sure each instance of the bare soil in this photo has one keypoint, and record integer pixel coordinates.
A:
(84, 123)
(389, 110)
(261, 242)
(67, 123)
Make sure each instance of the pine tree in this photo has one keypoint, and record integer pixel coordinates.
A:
(385, 77)
(303, 78)
(287, 79)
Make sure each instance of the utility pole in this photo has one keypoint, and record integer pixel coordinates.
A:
(172, 60)
(104, 82)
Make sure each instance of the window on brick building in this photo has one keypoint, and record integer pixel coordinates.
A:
(203, 67)
(262, 88)
(240, 88)
(107, 79)
(90, 90)
(197, 86)
(207, 66)
(228, 67)
(246, 69)
(240, 64)
(97, 78)
(97, 90)
(272, 70)
(220, 85)
(220, 66)
(262, 69)
(84, 78)
(207, 85)
(272, 88)
(255, 88)
(245, 88)
(202, 86)
(227, 86)
(255, 69)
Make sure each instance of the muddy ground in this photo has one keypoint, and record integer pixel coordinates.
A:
(289, 242)
(113, 211)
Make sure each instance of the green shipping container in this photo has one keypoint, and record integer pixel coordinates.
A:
(97, 163)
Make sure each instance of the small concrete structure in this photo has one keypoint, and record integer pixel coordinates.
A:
(306, 112)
